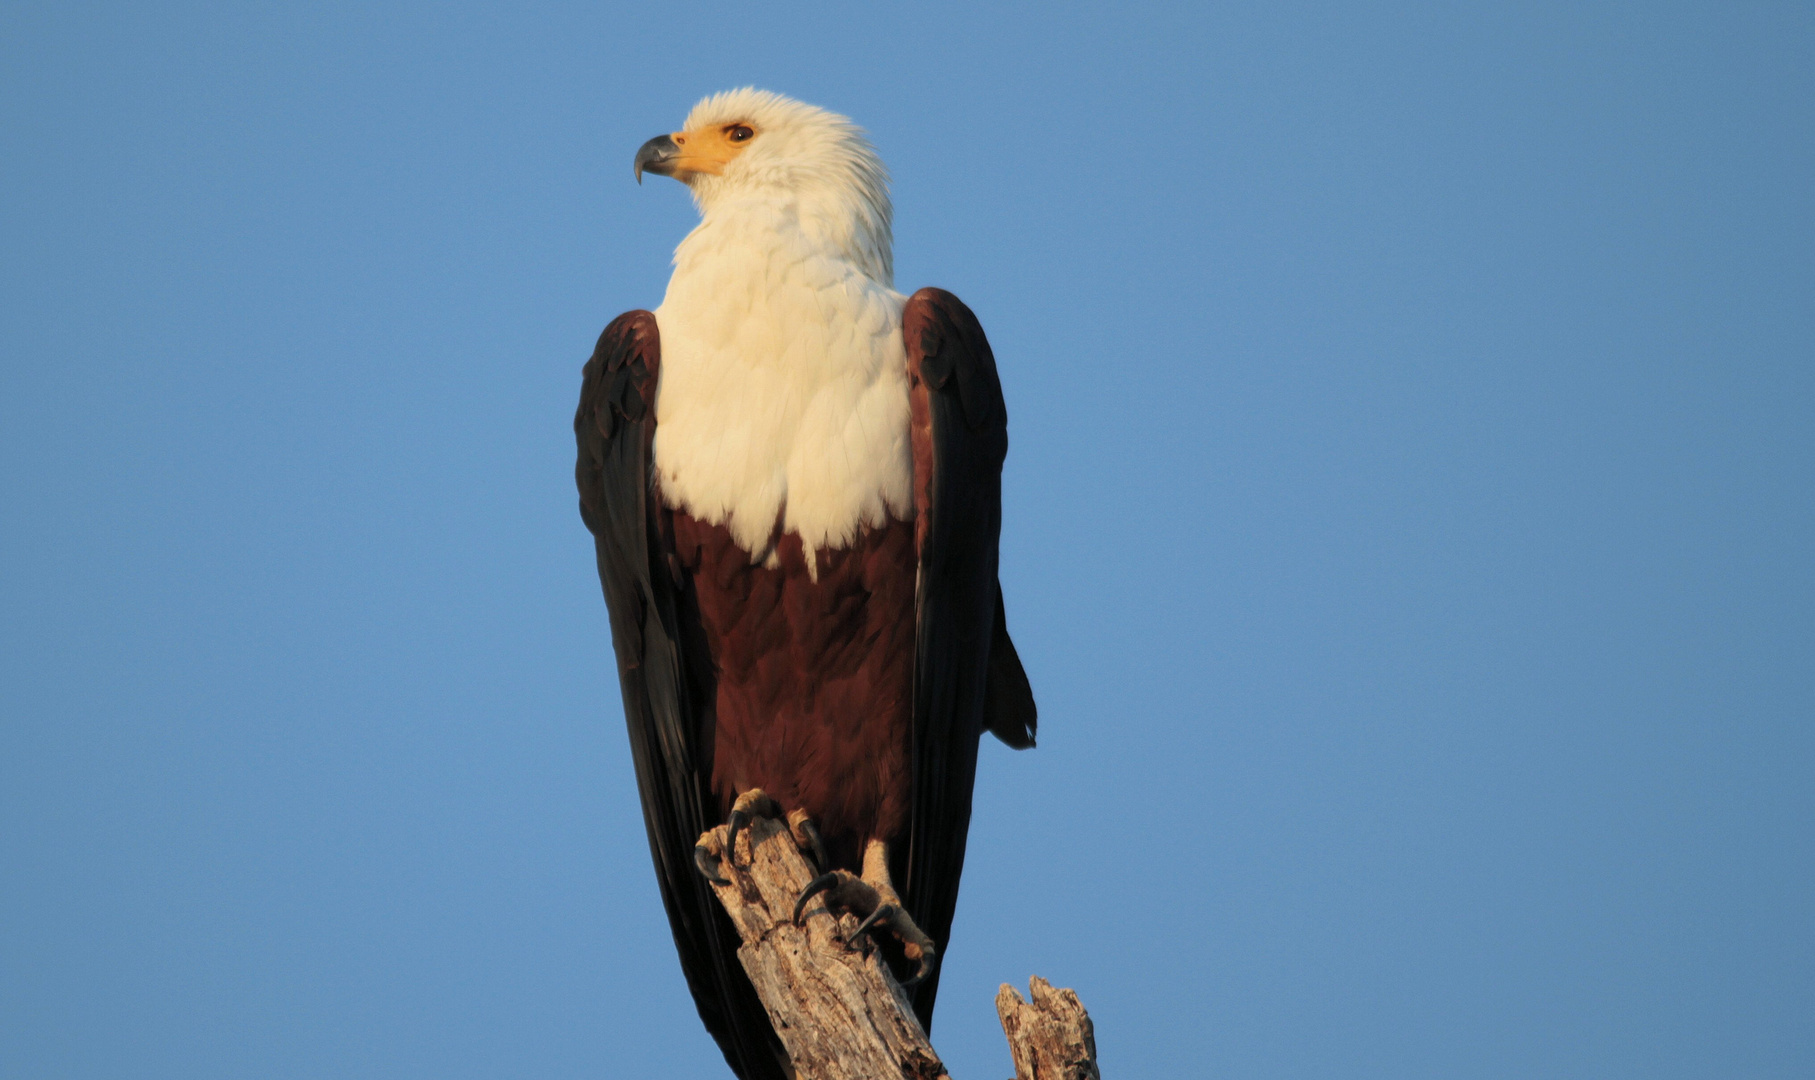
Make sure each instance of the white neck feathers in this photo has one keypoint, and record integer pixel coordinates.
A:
(783, 399)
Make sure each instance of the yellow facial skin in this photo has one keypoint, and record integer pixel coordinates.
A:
(709, 150)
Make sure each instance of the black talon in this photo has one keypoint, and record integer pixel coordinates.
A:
(819, 847)
(814, 888)
(898, 922)
(708, 865)
(883, 911)
(927, 963)
(738, 820)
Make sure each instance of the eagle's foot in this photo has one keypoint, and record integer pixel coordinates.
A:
(806, 837)
(841, 888)
(706, 861)
(755, 801)
(875, 907)
(915, 945)
(708, 857)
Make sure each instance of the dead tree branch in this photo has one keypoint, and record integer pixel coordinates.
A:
(1051, 1039)
(838, 1010)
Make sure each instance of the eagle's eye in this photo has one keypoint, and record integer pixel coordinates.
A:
(739, 133)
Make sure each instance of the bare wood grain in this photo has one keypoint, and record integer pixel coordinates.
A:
(1051, 1038)
(838, 1010)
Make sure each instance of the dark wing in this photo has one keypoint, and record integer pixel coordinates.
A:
(967, 677)
(614, 428)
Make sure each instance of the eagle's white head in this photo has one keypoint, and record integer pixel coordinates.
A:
(750, 150)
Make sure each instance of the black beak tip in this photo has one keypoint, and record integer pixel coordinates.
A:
(655, 156)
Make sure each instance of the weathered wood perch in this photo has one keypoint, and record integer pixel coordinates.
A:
(1051, 1039)
(837, 1008)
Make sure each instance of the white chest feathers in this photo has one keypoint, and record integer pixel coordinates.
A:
(783, 401)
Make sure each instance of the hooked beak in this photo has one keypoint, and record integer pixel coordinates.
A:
(657, 155)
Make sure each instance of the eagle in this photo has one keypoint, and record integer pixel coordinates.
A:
(792, 474)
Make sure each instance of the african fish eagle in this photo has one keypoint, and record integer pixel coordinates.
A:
(792, 473)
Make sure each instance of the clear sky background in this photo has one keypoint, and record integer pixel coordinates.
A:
(1409, 523)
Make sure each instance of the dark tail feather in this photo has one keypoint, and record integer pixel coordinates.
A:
(1008, 700)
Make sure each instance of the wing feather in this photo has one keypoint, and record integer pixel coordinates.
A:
(613, 430)
(966, 675)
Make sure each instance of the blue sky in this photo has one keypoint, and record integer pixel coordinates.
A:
(1408, 522)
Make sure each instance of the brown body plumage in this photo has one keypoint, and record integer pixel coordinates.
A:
(811, 685)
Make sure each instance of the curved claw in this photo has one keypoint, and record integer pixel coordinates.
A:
(707, 864)
(811, 832)
(883, 911)
(737, 821)
(927, 963)
(915, 944)
(814, 888)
